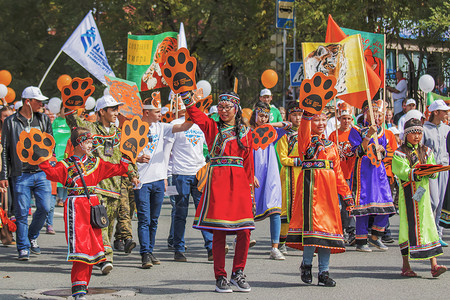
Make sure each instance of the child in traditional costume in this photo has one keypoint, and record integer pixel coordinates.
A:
(291, 165)
(315, 224)
(268, 186)
(370, 185)
(418, 236)
(347, 158)
(85, 244)
(226, 204)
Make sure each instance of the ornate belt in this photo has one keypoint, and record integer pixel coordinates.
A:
(317, 164)
(79, 191)
(231, 161)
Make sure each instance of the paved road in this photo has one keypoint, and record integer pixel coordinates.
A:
(358, 275)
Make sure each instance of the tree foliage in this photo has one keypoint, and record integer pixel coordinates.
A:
(229, 38)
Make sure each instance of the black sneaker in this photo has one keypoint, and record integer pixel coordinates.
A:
(222, 285)
(24, 254)
(378, 243)
(306, 273)
(154, 260)
(179, 256)
(238, 279)
(351, 239)
(35, 247)
(146, 261)
(129, 245)
(106, 267)
(119, 245)
(210, 255)
(387, 239)
(325, 280)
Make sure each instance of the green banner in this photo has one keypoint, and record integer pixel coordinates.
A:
(431, 97)
(145, 56)
(372, 41)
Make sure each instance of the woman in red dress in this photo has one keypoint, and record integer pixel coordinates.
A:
(226, 204)
(85, 244)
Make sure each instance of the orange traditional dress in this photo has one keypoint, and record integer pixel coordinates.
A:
(315, 213)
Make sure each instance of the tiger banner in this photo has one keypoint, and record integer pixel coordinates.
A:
(145, 56)
(373, 47)
(343, 60)
(126, 92)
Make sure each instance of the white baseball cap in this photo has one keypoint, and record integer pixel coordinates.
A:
(413, 114)
(265, 92)
(106, 101)
(410, 101)
(33, 92)
(438, 105)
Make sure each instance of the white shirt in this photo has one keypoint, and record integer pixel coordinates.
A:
(156, 168)
(401, 125)
(402, 86)
(187, 151)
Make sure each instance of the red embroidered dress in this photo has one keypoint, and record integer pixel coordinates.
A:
(85, 243)
(226, 202)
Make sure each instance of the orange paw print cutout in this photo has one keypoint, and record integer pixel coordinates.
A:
(263, 136)
(156, 99)
(35, 147)
(316, 92)
(179, 71)
(372, 155)
(202, 104)
(134, 137)
(75, 94)
(168, 117)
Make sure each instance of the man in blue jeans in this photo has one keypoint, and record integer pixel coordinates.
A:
(152, 167)
(185, 160)
(26, 178)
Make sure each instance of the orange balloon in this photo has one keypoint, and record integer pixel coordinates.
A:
(63, 80)
(247, 113)
(11, 96)
(269, 78)
(5, 77)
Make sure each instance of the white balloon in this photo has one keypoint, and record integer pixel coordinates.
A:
(3, 91)
(54, 105)
(203, 84)
(90, 103)
(106, 91)
(426, 83)
(164, 110)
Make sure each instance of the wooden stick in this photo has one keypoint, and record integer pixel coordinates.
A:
(235, 85)
(336, 121)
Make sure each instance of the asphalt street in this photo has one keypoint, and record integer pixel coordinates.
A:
(358, 275)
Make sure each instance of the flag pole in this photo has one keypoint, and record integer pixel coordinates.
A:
(48, 70)
(336, 121)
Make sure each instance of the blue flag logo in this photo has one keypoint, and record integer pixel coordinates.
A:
(88, 38)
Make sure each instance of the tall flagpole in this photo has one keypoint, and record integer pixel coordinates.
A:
(48, 70)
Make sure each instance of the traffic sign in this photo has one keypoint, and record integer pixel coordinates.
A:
(296, 72)
(285, 14)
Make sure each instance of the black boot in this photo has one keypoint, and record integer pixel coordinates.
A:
(325, 280)
(306, 273)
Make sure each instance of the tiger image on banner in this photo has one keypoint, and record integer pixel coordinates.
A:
(343, 60)
(153, 78)
(329, 60)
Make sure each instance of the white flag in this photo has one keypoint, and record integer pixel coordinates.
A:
(86, 48)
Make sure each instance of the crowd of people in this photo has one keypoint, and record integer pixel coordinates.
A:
(324, 182)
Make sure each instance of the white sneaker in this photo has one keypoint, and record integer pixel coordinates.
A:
(283, 249)
(276, 254)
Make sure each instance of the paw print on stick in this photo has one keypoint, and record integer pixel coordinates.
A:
(75, 94)
(179, 71)
(263, 136)
(316, 92)
(168, 117)
(134, 137)
(202, 105)
(35, 147)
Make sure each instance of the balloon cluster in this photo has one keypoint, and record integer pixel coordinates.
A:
(6, 93)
